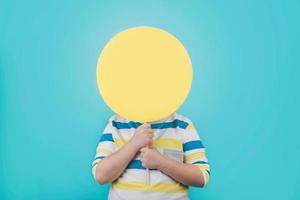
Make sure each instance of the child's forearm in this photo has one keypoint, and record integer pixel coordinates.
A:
(111, 167)
(184, 173)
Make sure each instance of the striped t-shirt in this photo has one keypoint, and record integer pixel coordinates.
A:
(174, 137)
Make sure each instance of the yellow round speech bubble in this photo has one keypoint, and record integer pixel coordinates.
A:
(144, 74)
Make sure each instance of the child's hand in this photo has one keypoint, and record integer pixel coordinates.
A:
(143, 136)
(150, 158)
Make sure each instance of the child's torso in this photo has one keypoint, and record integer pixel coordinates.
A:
(168, 141)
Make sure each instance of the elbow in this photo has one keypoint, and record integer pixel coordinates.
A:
(199, 183)
(102, 179)
(201, 180)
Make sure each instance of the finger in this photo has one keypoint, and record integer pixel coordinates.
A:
(142, 126)
(148, 131)
(149, 143)
(150, 135)
(148, 139)
(143, 149)
(145, 125)
(144, 130)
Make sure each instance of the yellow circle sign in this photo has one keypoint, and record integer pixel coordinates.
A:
(144, 74)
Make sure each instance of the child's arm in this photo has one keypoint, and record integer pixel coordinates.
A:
(184, 173)
(194, 171)
(112, 166)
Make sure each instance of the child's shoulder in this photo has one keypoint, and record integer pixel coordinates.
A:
(182, 118)
(189, 124)
(117, 118)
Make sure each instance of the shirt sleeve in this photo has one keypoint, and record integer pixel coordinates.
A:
(194, 151)
(105, 147)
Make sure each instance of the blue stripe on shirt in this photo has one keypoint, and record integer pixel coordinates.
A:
(135, 164)
(99, 157)
(195, 144)
(106, 137)
(173, 124)
(125, 125)
(200, 162)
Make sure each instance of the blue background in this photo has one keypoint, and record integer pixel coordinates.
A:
(244, 99)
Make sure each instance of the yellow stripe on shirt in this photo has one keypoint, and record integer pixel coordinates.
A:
(156, 187)
(167, 143)
(119, 142)
(104, 151)
(190, 127)
(202, 166)
(194, 156)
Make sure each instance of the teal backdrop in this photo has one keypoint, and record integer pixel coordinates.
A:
(244, 99)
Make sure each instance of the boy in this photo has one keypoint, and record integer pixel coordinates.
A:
(170, 148)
